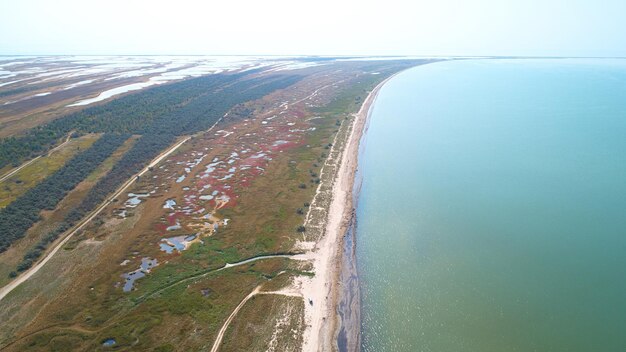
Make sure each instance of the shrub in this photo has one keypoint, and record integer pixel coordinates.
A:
(25, 265)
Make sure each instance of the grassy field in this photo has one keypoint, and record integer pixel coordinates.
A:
(23, 180)
(185, 317)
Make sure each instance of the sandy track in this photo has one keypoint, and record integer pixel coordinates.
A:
(5, 290)
(226, 266)
(17, 169)
(220, 334)
(256, 291)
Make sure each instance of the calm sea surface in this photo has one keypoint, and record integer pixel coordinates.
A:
(492, 215)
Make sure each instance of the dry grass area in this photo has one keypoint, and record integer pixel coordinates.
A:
(272, 323)
(195, 215)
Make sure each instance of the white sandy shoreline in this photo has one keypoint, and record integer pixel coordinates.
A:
(323, 289)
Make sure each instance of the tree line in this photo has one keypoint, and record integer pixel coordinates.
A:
(208, 99)
(127, 114)
(17, 217)
(197, 115)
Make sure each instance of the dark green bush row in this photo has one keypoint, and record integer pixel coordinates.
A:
(127, 114)
(22, 213)
(197, 114)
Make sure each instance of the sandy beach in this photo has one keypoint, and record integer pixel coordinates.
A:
(323, 289)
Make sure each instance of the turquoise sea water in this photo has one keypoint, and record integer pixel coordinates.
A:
(492, 215)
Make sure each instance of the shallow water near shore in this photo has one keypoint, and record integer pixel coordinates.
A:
(492, 210)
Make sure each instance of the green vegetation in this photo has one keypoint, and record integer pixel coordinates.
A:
(214, 96)
(20, 215)
(41, 168)
(164, 109)
(52, 219)
(198, 114)
(181, 304)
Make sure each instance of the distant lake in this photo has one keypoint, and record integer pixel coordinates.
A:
(492, 215)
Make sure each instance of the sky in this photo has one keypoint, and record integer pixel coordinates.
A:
(314, 27)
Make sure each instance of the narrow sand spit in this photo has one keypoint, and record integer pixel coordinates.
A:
(321, 292)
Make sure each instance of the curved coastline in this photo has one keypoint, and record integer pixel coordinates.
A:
(460, 262)
(324, 323)
(327, 321)
(347, 330)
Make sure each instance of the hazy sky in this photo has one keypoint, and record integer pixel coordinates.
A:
(322, 27)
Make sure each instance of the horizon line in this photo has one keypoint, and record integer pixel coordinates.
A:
(345, 56)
